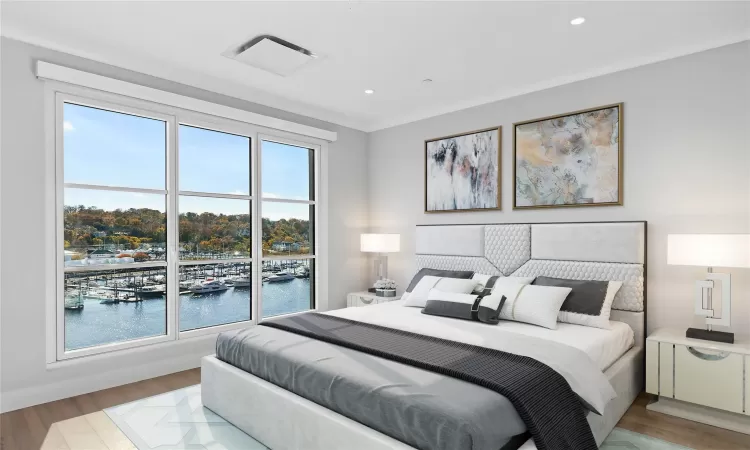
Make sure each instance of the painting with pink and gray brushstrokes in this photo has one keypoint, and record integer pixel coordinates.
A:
(569, 160)
(462, 172)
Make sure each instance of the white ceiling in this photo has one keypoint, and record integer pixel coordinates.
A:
(474, 52)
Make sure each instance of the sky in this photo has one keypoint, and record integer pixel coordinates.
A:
(113, 149)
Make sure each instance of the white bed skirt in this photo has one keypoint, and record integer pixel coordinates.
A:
(282, 420)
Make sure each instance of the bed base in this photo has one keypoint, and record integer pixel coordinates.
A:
(279, 419)
(282, 420)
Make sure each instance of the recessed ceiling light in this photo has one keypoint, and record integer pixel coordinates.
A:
(577, 21)
(369, 91)
(427, 80)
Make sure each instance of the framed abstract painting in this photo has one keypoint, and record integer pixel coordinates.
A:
(462, 172)
(572, 159)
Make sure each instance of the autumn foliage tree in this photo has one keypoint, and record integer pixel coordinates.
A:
(206, 232)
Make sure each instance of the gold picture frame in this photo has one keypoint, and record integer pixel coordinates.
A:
(498, 170)
(619, 159)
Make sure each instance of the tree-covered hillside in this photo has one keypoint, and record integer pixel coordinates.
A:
(88, 227)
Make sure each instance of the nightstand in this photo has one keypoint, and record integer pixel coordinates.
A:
(367, 298)
(703, 381)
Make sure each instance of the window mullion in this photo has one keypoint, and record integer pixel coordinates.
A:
(98, 187)
(60, 228)
(257, 226)
(173, 221)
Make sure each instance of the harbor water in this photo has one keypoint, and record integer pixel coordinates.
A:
(98, 323)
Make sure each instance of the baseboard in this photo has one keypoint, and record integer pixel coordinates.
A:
(702, 414)
(36, 395)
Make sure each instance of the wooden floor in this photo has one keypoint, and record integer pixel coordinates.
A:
(680, 431)
(78, 423)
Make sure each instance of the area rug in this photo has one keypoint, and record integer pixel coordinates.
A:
(620, 439)
(177, 420)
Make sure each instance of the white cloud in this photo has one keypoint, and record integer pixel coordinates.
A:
(276, 211)
(281, 197)
(67, 126)
(239, 192)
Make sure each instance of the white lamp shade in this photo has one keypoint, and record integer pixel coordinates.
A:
(709, 250)
(380, 243)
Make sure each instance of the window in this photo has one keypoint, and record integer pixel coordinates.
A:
(172, 224)
(288, 210)
(114, 231)
(215, 225)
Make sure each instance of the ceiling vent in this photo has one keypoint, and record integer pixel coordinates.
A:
(272, 54)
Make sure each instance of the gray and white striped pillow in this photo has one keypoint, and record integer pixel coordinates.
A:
(464, 306)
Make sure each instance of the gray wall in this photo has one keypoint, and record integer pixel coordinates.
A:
(22, 326)
(687, 167)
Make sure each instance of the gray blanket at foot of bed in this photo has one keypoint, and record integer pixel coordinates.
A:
(421, 408)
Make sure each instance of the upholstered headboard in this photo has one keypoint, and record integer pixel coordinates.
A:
(583, 251)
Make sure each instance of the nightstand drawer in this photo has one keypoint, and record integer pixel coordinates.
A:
(709, 377)
(361, 300)
(354, 299)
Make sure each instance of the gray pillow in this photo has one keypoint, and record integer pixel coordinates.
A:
(462, 274)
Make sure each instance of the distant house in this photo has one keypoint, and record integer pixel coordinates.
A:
(243, 232)
(285, 246)
(101, 254)
(99, 234)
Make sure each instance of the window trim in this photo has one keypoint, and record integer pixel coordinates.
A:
(54, 72)
(174, 116)
(317, 151)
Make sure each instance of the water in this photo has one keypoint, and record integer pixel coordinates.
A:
(98, 324)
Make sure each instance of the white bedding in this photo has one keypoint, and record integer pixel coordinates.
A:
(570, 356)
(604, 347)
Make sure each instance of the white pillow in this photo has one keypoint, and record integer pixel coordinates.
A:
(420, 293)
(537, 305)
(506, 281)
(486, 281)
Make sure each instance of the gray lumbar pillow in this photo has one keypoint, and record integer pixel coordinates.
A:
(589, 302)
(464, 306)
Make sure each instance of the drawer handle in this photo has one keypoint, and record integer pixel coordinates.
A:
(365, 300)
(708, 356)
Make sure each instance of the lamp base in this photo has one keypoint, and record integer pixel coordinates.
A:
(717, 336)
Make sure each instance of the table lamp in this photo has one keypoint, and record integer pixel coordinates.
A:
(710, 250)
(381, 244)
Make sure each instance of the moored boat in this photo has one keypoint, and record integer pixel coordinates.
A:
(281, 276)
(208, 286)
(239, 281)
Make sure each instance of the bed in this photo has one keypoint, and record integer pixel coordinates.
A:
(339, 398)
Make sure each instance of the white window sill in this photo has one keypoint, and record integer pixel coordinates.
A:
(82, 360)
